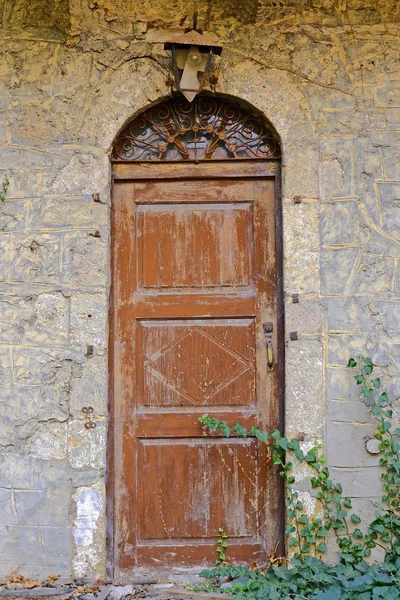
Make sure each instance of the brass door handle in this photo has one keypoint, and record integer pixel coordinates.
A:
(270, 355)
(268, 332)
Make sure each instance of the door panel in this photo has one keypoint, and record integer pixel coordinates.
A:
(194, 279)
(196, 363)
(196, 512)
(194, 246)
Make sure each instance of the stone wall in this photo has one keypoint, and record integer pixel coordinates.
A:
(326, 74)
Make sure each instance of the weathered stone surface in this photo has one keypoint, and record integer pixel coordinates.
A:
(37, 317)
(344, 411)
(342, 223)
(346, 444)
(337, 267)
(36, 257)
(12, 215)
(307, 316)
(301, 243)
(90, 387)
(88, 320)
(86, 447)
(84, 259)
(356, 314)
(362, 482)
(8, 515)
(49, 442)
(335, 168)
(43, 506)
(304, 367)
(66, 212)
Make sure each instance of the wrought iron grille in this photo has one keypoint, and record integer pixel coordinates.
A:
(207, 128)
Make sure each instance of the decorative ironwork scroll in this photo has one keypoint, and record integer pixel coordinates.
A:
(207, 128)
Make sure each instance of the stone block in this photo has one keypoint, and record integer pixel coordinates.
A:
(348, 411)
(49, 442)
(346, 444)
(36, 318)
(40, 365)
(389, 314)
(20, 545)
(8, 514)
(86, 447)
(341, 384)
(16, 470)
(390, 144)
(305, 317)
(12, 214)
(391, 221)
(304, 392)
(337, 266)
(335, 168)
(387, 94)
(36, 125)
(367, 169)
(48, 506)
(89, 317)
(36, 257)
(18, 157)
(51, 366)
(342, 223)
(22, 407)
(24, 182)
(5, 366)
(92, 384)
(5, 256)
(57, 549)
(306, 185)
(88, 509)
(84, 173)
(364, 482)
(301, 247)
(65, 212)
(353, 314)
(373, 276)
(84, 259)
(336, 122)
(341, 347)
(393, 117)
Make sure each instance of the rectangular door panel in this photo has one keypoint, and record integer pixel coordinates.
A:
(196, 245)
(184, 500)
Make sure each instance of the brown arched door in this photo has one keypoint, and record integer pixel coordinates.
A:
(196, 296)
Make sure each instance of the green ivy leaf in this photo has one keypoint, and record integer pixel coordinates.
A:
(352, 363)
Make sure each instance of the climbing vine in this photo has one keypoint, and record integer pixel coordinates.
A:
(4, 188)
(306, 534)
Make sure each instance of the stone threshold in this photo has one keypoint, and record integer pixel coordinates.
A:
(155, 591)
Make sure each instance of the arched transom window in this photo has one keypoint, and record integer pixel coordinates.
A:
(206, 129)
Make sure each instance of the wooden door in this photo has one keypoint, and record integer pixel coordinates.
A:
(194, 281)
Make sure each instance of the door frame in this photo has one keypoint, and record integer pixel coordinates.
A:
(181, 170)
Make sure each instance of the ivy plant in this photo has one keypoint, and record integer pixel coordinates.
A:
(4, 188)
(306, 534)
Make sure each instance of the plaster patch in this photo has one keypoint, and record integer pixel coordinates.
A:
(88, 508)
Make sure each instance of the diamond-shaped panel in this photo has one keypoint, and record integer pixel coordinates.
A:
(197, 366)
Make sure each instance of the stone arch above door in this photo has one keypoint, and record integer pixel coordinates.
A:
(209, 128)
